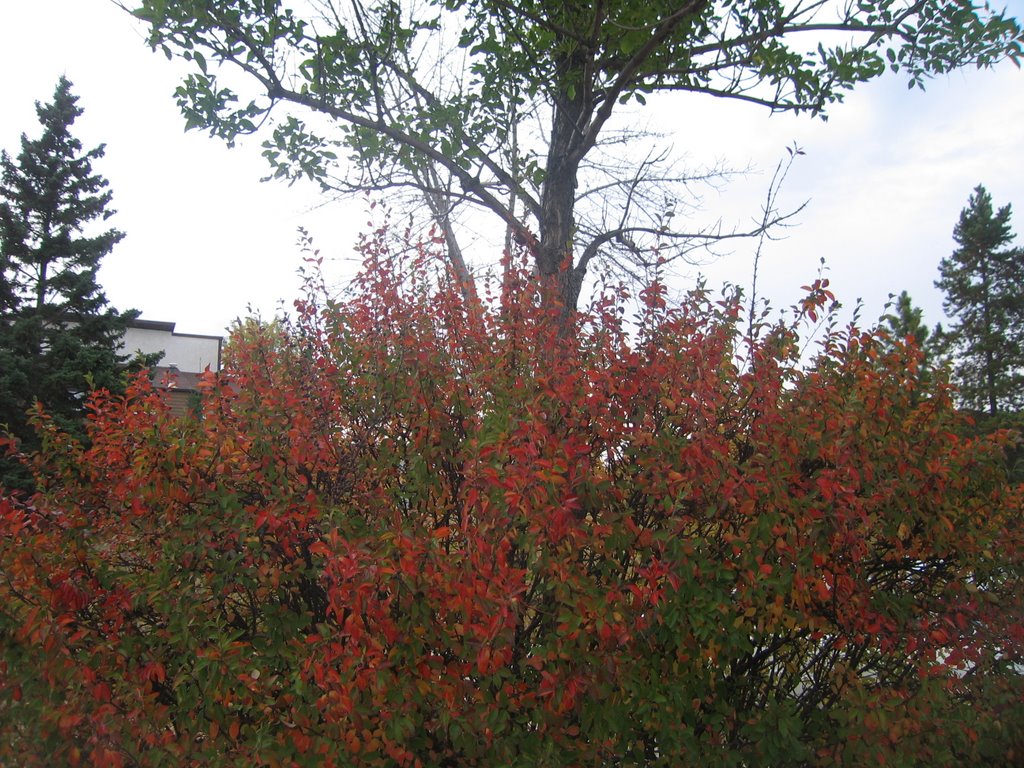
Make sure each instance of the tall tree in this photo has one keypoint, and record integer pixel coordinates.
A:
(512, 114)
(984, 284)
(58, 337)
(905, 322)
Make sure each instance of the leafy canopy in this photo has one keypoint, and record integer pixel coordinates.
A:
(506, 106)
(412, 530)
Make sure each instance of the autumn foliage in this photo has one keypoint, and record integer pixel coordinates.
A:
(408, 531)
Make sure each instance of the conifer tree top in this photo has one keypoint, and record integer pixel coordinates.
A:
(982, 280)
(58, 336)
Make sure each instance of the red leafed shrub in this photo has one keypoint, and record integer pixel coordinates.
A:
(408, 531)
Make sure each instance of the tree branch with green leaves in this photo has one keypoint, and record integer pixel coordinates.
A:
(445, 84)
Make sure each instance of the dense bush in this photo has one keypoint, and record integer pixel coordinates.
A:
(408, 531)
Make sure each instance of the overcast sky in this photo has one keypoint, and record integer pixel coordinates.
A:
(885, 177)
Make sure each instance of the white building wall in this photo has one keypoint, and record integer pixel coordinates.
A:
(186, 351)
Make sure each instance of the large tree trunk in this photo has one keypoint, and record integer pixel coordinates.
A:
(990, 362)
(554, 254)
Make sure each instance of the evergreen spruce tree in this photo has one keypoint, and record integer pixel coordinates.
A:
(906, 321)
(58, 337)
(984, 285)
